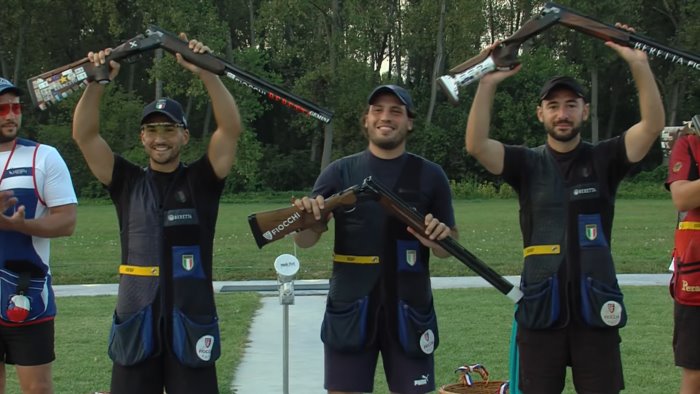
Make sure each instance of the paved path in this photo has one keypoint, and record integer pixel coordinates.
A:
(261, 368)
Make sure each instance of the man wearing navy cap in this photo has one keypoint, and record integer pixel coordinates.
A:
(165, 332)
(572, 308)
(380, 298)
(37, 202)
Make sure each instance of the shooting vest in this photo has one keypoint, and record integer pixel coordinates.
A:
(685, 283)
(373, 247)
(165, 285)
(567, 259)
(22, 269)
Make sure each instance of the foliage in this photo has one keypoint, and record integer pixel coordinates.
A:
(332, 53)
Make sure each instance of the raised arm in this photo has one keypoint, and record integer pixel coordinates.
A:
(224, 141)
(489, 152)
(86, 124)
(641, 136)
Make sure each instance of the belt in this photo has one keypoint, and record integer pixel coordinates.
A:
(689, 226)
(136, 270)
(343, 258)
(541, 249)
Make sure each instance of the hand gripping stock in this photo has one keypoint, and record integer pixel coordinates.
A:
(409, 215)
(269, 226)
(55, 85)
(504, 56)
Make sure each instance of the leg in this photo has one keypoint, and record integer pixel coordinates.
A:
(686, 346)
(596, 364)
(690, 381)
(31, 349)
(349, 372)
(544, 356)
(35, 379)
(181, 379)
(407, 375)
(2, 378)
(145, 377)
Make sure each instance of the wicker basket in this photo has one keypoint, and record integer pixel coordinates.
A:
(491, 387)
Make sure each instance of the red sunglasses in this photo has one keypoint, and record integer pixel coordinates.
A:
(5, 108)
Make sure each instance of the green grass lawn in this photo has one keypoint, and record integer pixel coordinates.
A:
(642, 241)
(474, 326)
(82, 328)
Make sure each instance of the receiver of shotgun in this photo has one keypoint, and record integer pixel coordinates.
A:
(409, 215)
(269, 226)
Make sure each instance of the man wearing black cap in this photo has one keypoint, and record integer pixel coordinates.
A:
(165, 333)
(572, 308)
(37, 202)
(380, 298)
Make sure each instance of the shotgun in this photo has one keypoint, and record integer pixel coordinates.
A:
(55, 85)
(409, 215)
(504, 56)
(269, 226)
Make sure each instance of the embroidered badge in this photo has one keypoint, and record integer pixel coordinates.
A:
(411, 257)
(188, 262)
(427, 341)
(677, 167)
(204, 347)
(591, 232)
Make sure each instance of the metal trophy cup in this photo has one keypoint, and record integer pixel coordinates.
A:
(286, 266)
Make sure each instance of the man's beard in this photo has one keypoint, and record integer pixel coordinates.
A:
(575, 131)
(6, 138)
(389, 144)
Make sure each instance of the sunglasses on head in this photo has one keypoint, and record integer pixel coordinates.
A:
(5, 108)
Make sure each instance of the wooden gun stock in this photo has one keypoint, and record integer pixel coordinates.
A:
(409, 215)
(55, 85)
(269, 226)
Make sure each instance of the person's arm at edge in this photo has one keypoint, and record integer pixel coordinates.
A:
(86, 125)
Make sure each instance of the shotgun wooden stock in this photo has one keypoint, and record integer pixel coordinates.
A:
(55, 85)
(269, 226)
(409, 215)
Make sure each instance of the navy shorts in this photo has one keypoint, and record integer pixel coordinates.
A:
(163, 371)
(354, 372)
(686, 341)
(27, 345)
(593, 354)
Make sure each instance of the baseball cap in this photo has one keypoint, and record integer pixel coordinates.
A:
(168, 107)
(6, 85)
(397, 91)
(565, 82)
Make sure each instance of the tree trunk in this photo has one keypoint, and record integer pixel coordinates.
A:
(594, 105)
(251, 21)
(332, 55)
(20, 47)
(438, 65)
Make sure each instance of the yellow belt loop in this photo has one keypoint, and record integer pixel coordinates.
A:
(541, 249)
(136, 270)
(689, 226)
(342, 258)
